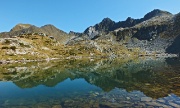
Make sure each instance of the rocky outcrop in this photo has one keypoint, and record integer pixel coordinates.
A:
(175, 47)
(103, 27)
(154, 34)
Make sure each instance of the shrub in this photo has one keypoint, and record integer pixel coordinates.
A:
(7, 42)
(13, 48)
(21, 44)
(5, 47)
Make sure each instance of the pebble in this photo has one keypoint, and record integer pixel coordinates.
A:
(113, 100)
(128, 98)
(96, 93)
(146, 99)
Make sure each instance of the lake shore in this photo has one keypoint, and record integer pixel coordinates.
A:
(24, 60)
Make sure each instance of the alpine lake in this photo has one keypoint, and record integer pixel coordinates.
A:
(91, 83)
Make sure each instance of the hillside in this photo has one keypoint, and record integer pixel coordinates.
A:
(27, 48)
(48, 30)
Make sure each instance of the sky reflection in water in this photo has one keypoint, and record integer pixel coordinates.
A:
(99, 83)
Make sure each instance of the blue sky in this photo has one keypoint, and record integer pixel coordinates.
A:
(76, 15)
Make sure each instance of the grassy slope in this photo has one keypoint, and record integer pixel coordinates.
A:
(36, 47)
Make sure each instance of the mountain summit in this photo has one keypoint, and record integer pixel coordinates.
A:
(155, 13)
(20, 27)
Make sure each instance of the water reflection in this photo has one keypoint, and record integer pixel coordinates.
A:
(92, 83)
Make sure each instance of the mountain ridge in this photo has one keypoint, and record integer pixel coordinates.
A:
(107, 24)
(155, 34)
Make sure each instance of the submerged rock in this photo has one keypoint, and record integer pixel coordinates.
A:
(146, 99)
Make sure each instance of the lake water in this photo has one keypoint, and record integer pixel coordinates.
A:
(143, 82)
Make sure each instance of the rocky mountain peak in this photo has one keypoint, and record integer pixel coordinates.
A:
(20, 27)
(48, 25)
(49, 28)
(129, 19)
(107, 20)
(156, 12)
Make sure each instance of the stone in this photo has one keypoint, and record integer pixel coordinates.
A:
(177, 102)
(174, 105)
(128, 98)
(161, 101)
(42, 105)
(154, 104)
(57, 106)
(146, 99)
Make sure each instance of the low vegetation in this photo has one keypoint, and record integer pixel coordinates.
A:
(36, 47)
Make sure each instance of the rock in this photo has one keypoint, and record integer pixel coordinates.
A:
(146, 99)
(57, 106)
(174, 105)
(177, 102)
(42, 105)
(154, 104)
(161, 101)
(128, 98)
(113, 100)
(96, 93)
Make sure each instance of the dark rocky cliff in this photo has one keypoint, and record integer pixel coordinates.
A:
(107, 25)
(175, 47)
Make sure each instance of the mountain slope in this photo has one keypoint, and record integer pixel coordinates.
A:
(60, 35)
(49, 30)
(20, 27)
(107, 25)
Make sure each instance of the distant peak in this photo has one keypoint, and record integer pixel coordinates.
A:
(107, 19)
(156, 12)
(48, 25)
(129, 19)
(20, 26)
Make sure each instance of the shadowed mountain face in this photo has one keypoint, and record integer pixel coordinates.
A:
(175, 47)
(155, 78)
(107, 25)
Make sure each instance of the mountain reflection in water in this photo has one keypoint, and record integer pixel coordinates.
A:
(92, 83)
